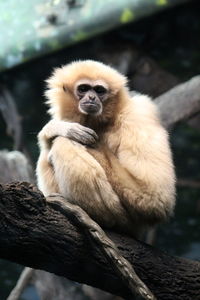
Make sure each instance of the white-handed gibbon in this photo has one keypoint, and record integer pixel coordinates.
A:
(105, 150)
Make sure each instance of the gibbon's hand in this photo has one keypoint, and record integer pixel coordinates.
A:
(73, 131)
(82, 134)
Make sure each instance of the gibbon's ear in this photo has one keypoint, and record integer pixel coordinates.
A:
(64, 88)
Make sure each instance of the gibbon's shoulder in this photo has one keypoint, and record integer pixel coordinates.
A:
(143, 106)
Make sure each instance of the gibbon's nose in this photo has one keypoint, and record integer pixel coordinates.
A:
(92, 97)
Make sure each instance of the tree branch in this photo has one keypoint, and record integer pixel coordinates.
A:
(44, 235)
(23, 281)
(190, 183)
(180, 103)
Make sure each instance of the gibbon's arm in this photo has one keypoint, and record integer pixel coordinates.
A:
(45, 175)
(73, 131)
(54, 128)
(65, 166)
(144, 152)
(82, 180)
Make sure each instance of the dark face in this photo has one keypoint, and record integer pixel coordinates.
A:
(91, 95)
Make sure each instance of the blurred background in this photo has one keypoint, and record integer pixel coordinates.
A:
(155, 43)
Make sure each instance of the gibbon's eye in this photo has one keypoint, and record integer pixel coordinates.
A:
(83, 88)
(100, 89)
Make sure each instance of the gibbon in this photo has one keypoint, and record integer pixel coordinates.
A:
(105, 150)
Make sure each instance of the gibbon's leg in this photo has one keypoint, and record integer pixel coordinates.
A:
(125, 185)
(144, 204)
(83, 181)
(45, 174)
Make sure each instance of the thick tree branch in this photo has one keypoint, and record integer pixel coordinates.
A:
(43, 235)
(180, 103)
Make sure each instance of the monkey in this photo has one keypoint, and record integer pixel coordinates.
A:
(105, 150)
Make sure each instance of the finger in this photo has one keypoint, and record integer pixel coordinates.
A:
(82, 135)
(87, 139)
(83, 138)
(87, 129)
(92, 133)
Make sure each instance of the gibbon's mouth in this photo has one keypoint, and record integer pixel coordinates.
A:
(90, 108)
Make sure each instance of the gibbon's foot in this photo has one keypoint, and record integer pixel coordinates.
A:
(122, 267)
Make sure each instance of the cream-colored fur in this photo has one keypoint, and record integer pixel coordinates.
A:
(127, 180)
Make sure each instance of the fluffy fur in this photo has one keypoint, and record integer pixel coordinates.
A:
(126, 181)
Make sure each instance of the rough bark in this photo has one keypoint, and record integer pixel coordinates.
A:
(43, 235)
